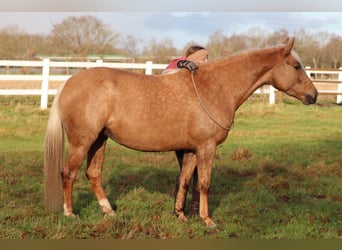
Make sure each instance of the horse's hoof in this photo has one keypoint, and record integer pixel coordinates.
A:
(209, 223)
(69, 214)
(110, 214)
(180, 215)
(182, 218)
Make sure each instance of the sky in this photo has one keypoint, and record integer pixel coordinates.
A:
(181, 24)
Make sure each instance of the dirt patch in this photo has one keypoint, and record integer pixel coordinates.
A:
(241, 153)
(323, 105)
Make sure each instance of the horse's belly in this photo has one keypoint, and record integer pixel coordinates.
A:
(149, 139)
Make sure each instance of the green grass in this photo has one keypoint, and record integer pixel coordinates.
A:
(278, 176)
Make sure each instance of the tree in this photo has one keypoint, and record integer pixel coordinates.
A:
(130, 46)
(237, 43)
(16, 44)
(277, 37)
(257, 38)
(160, 52)
(81, 36)
(333, 52)
(217, 45)
(9, 40)
(309, 48)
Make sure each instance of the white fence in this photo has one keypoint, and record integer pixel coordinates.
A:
(46, 65)
(45, 76)
(325, 77)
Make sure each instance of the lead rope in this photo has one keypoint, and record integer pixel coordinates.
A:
(205, 108)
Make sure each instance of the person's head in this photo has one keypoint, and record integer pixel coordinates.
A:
(192, 49)
(197, 54)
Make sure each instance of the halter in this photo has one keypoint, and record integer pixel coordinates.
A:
(205, 108)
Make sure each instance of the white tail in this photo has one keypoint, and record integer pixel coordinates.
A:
(54, 159)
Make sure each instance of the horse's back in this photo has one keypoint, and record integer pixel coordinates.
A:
(105, 84)
(96, 86)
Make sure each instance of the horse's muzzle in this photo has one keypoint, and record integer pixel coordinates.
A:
(311, 99)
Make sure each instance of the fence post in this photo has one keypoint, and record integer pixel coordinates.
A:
(272, 95)
(148, 70)
(99, 62)
(339, 87)
(307, 71)
(45, 84)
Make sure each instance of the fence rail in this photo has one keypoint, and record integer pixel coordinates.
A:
(327, 76)
(44, 76)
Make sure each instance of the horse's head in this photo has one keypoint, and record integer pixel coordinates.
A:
(289, 76)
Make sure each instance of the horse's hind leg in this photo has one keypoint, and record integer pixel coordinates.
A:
(69, 174)
(180, 157)
(94, 172)
(195, 196)
(188, 165)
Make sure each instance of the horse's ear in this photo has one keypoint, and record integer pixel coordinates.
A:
(288, 46)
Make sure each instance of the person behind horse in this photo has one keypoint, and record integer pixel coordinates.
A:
(194, 55)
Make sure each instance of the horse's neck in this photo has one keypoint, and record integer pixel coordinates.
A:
(245, 73)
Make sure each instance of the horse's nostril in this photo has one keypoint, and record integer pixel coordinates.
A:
(310, 99)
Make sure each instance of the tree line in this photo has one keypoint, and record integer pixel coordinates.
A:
(78, 37)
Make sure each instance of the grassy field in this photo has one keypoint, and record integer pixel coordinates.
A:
(278, 176)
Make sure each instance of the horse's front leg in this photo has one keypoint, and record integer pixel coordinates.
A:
(188, 165)
(205, 157)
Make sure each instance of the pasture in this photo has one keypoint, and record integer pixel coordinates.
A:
(278, 176)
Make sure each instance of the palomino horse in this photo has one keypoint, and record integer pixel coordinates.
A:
(179, 112)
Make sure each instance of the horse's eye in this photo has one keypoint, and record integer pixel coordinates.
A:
(297, 66)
